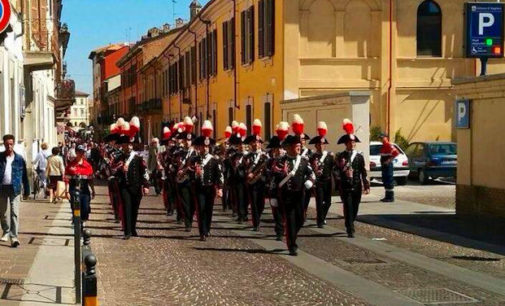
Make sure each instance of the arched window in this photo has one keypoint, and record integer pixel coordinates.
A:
(429, 29)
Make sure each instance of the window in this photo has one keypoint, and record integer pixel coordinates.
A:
(214, 122)
(429, 29)
(229, 44)
(187, 70)
(247, 35)
(266, 28)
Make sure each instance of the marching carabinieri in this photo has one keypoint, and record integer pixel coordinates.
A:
(272, 180)
(237, 178)
(256, 162)
(298, 126)
(296, 178)
(322, 163)
(208, 179)
(185, 171)
(111, 154)
(133, 184)
(351, 176)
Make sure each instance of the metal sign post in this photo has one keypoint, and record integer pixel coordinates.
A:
(76, 207)
(484, 31)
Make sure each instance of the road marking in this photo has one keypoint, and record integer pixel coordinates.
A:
(473, 278)
(358, 286)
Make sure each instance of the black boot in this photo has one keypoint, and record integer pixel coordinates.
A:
(390, 197)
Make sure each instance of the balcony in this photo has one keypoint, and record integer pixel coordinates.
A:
(65, 95)
(150, 106)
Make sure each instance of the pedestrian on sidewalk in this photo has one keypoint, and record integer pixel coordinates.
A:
(80, 174)
(40, 166)
(14, 177)
(55, 171)
(350, 176)
(388, 153)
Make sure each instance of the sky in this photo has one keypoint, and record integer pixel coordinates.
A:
(95, 23)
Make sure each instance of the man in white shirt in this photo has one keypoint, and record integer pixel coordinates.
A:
(13, 179)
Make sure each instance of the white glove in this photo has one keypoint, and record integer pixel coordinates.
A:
(308, 184)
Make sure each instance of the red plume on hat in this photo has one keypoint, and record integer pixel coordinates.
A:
(227, 132)
(348, 126)
(114, 128)
(188, 124)
(242, 129)
(207, 129)
(282, 130)
(322, 129)
(256, 128)
(166, 132)
(297, 124)
(234, 127)
(134, 126)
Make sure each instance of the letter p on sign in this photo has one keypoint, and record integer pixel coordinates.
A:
(486, 20)
(462, 115)
(461, 111)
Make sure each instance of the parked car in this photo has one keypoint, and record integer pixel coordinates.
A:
(431, 160)
(400, 163)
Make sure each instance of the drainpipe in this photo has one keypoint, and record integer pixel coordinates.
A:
(235, 68)
(196, 76)
(207, 24)
(179, 85)
(390, 85)
(22, 16)
(169, 103)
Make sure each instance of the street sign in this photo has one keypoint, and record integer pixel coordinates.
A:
(484, 29)
(5, 14)
(462, 114)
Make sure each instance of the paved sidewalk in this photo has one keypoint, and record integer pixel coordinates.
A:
(40, 270)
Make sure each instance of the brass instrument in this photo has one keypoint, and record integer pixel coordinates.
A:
(183, 170)
(253, 175)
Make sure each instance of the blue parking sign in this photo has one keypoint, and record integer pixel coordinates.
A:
(484, 29)
(462, 114)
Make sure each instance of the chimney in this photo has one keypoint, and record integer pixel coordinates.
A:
(166, 27)
(179, 22)
(194, 8)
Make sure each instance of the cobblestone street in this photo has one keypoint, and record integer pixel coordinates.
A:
(167, 266)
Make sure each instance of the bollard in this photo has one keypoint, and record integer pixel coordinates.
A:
(89, 282)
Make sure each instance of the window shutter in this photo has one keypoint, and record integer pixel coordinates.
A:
(225, 45)
(269, 27)
(188, 69)
(214, 49)
(251, 34)
(261, 28)
(193, 65)
(242, 36)
(272, 28)
(232, 44)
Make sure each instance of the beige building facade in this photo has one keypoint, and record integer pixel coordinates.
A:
(481, 171)
(79, 115)
(405, 52)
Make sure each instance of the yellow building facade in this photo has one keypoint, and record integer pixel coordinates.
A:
(238, 60)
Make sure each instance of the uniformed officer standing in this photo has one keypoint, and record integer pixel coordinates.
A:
(111, 154)
(322, 163)
(351, 176)
(133, 184)
(388, 153)
(256, 162)
(208, 179)
(296, 177)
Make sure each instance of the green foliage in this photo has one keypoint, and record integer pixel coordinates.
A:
(375, 132)
(400, 140)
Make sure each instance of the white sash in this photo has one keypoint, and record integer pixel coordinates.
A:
(129, 160)
(204, 163)
(353, 155)
(323, 157)
(292, 173)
